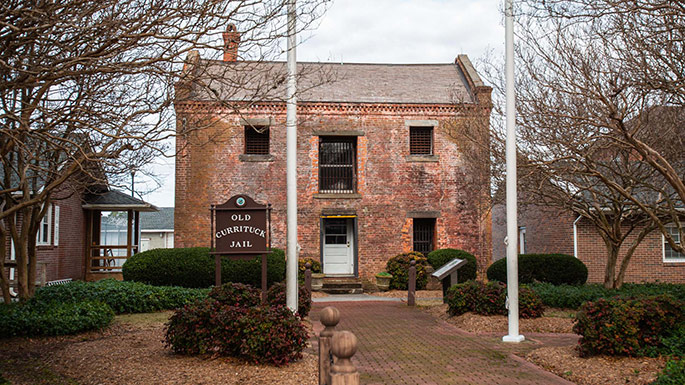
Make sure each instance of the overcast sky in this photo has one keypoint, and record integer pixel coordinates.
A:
(387, 31)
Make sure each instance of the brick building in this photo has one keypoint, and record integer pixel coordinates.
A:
(547, 230)
(377, 172)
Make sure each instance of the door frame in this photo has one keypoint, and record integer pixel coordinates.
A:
(355, 236)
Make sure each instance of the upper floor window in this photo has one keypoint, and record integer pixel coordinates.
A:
(44, 228)
(669, 253)
(337, 165)
(257, 140)
(421, 140)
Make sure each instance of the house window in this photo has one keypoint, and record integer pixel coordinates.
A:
(669, 253)
(522, 240)
(421, 140)
(338, 165)
(257, 140)
(43, 235)
(424, 235)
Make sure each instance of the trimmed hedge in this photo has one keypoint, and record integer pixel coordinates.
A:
(194, 268)
(489, 299)
(628, 326)
(673, 373)
(122, 297)
(229, 323)
(557, 269)
(53, 319)
(438, 258)
(399, 265)
(572, 297)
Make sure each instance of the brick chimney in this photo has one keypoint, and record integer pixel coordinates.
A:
(231, 42)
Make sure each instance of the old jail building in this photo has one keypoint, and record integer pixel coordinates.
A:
(380, 170)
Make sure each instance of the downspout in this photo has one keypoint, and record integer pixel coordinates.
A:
(575, 236)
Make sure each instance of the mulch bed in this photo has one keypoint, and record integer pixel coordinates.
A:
(134, 354)
(562, 360)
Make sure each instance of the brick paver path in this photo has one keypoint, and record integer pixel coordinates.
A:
(403, 345)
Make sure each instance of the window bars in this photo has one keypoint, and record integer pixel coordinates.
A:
(421, 140)
(337, 165)
(424, 235)
(256, 140)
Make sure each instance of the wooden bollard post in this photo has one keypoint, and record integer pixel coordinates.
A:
(308, 277)
(330, 317)
(411, 295)
(343, 372)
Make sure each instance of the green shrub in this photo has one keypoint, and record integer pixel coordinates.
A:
(276, 296)
(53, 319)
(398, 266)
(627, 326)
(261, 334)
(489, 299)
(438, 258)
(556, 269)
(122, 297)
(565, 296)
(316, 268)
(673, 373)
(4, 381)
(194, 268)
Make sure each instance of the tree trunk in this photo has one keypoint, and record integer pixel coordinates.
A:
(4, 277)
(609, 272)
(629, 254)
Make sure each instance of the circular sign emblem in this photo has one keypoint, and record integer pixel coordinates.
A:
(240, 202)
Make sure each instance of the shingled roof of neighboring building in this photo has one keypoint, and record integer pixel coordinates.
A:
(212, 80)
(113, 200)
(159, 220)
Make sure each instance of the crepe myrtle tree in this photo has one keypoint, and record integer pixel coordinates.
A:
(86, 89)
(625, 61)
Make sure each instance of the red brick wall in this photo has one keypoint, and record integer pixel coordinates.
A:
(390, 186)
(646, 265)
(66, 259)
(548, 230)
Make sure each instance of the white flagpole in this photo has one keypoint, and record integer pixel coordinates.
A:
(291, 164)
(512, 224)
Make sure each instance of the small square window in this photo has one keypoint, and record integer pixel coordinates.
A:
(257, 140)
(421, 140)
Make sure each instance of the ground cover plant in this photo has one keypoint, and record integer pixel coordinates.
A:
(556, 269)
(52, 319)
(122, 297)
(630, 326)
(194, 268)
(572, 297)
(438, 258)
(398, 267)
(673, 373)
(489, 299)
(231, 321)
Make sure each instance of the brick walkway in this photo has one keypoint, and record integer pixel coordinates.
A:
(403, 345)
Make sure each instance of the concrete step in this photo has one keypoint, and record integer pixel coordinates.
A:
(342, 285)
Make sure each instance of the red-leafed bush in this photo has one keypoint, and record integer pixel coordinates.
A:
(276, 296)
(490, 299)
(233, 322)
(627, 326)
(399, 265)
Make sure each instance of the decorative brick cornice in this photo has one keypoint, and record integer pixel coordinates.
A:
(306, 108)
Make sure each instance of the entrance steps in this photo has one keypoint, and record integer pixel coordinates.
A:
(342, 285)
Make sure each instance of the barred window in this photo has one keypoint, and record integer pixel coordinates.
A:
(338, 165)
(257, 140)
(424, 235)
(421, 140)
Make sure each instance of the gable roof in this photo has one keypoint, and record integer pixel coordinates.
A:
(158, 220)
(212, 80)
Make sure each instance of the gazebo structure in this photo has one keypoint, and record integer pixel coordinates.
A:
(112, 232)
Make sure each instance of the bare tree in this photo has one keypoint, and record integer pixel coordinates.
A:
(86, 89)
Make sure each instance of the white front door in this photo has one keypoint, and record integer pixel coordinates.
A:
(338, 246)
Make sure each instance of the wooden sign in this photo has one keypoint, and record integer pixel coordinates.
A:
(241, 228)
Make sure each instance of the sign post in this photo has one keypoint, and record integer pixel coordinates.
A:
(240, 230)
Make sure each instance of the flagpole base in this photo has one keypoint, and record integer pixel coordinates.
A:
(517, 339)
